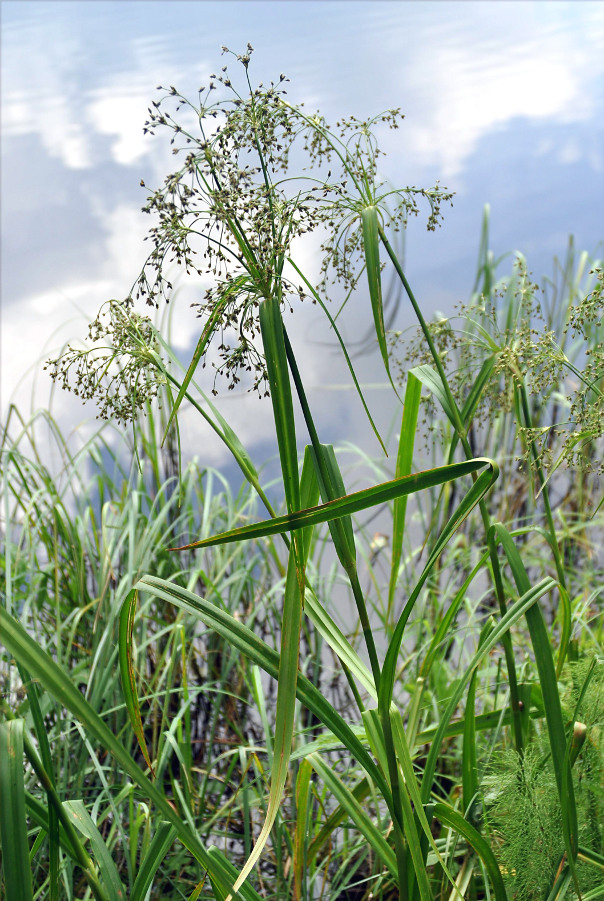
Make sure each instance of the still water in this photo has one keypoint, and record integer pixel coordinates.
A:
(504, 103)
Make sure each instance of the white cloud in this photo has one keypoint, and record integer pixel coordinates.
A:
(461, 86)
(44, 93)
(121, 117)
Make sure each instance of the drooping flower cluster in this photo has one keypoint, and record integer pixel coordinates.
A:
(122, 366)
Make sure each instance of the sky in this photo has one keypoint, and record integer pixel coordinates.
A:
(504, 104)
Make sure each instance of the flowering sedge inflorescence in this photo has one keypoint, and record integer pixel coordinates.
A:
(234, 209)
(509, 324)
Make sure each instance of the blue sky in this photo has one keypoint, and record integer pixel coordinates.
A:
(504, 103)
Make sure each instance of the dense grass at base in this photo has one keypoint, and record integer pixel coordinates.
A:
(76, 542)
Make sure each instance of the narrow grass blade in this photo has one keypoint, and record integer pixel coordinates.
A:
(159, 847)
(303, 794)
(13, 825)
(433, 382)
(202, 344)
(463, 509)
(404, 462)
(220, 426)
(331, 483)
(407, 841)
(84, 822)
(416, 814)
(67, 834)
(592, 857)
(469, 770)
(309, 495)
(332, 487)
(514, 613)
(338, 642)
(127, 673)
(448, 619)
(53, 819)
(286, 700)
(326, 833)
(478, 386)
(271, 327)
(454, 820)
(355, 811)
(352, 503)
(319, 300)
(561, 884)
(371, 244)
(38, 814)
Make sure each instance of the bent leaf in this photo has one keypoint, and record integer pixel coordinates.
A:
(13, 826)
(352, 503)
(127, 673)
(371, 244)
(452, 818)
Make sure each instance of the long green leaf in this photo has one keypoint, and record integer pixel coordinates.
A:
(433, 382)
(202, 344)
(127, 673)
(286, 701)
(84, 822)
(468, 756)
(452, 818)
(67, 833)
(13, 826)
(446, 621)
(332, 487)
(271, 327)
(317, 297)
(327, 830)
(475, 393)
(338, 642)
(352, 503)
(53, 819)
(303, 797)
(463, 509)
(410, 785)
(514, 613)
(309, 495)
(157, 850)
(371, 244)
(355, 811)
(38, 814)
(404, 462)
(551, 697)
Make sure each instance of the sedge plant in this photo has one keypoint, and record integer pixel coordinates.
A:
(237, 211)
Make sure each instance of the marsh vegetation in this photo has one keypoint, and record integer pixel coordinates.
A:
(187, 713)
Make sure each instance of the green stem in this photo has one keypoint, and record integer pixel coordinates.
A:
(400, 844)
(526, 412)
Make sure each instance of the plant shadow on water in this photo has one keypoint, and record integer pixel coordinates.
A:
(195, 722)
